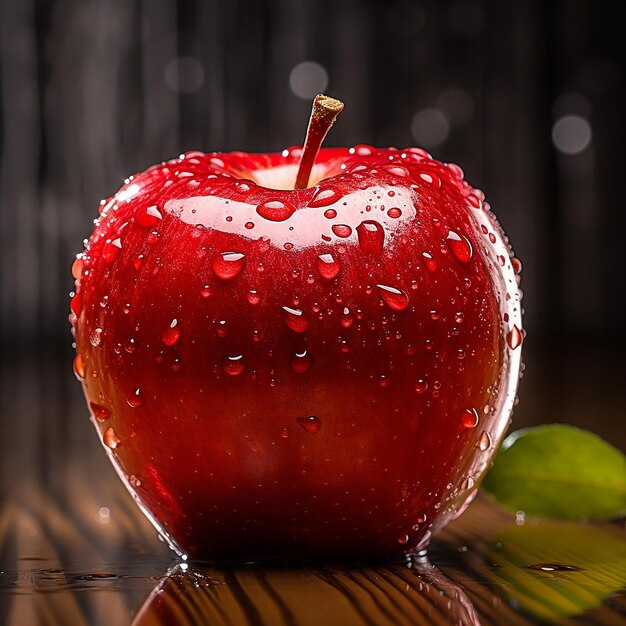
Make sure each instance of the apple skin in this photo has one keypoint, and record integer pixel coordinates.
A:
(271, 377)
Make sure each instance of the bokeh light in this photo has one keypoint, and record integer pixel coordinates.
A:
(307, 79)
(184, 75)
(571, 134)
(430, 127)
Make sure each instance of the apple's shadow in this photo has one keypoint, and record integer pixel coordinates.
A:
(416, 594)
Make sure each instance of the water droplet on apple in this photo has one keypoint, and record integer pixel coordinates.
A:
(469, 418)
(484, 442)
(171, 334)
(371, 237)
(100, 412)
(285, 432)
(364, 150)
(253, 297)
(134, 481)
(327, 266)
(76, 304)
(228, 265)
(474, 200)
(403, 539)
(234, 365)
(514, 337)
(130, 346)
(110, 439)
(111, 250)
(342, 230)
(95, 338)
(324, 197)
(517, 265)
(383, 381)
(347, 319)
(394, 212)
(429, 261)
(421, 386)
(459, 246)
(221, 328)
(301, 362)
(79, 367)
(456, 171)
(310, 424)
(397, 170)
(136, 399)
(330, 214)
(394, 298)
(276, 210)
(295, 318)
(205, 292)
(148, 216)
(242, 187)
(77, 267)
(431, 178)
(153, 237)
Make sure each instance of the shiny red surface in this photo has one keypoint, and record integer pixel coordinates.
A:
(296, 373)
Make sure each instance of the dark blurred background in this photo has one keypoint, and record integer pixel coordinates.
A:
(528, 96)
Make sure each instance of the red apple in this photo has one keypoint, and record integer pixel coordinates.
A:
(315, 372)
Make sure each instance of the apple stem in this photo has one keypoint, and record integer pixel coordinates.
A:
(323, 114)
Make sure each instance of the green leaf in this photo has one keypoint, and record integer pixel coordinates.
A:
(560, 472)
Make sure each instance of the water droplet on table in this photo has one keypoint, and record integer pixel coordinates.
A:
(553, 567)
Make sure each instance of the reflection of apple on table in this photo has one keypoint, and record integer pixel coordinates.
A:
(398, 595)
(316, 371)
